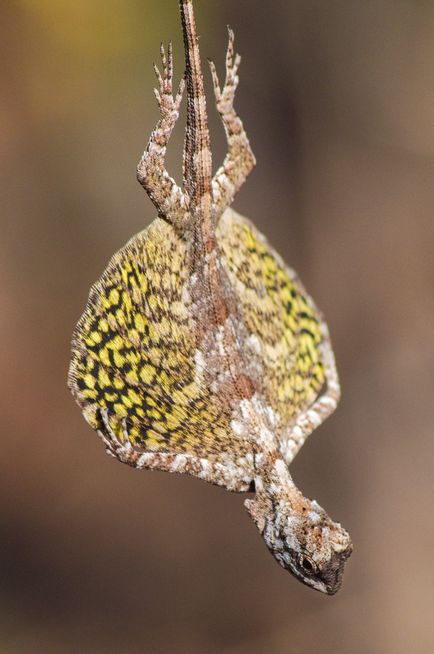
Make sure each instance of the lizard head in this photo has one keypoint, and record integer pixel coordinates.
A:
(302, 538)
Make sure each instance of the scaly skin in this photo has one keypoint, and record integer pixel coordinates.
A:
(200, 351)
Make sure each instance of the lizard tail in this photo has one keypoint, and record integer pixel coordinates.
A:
(197, 150)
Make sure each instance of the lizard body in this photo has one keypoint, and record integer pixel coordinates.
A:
(200, 351)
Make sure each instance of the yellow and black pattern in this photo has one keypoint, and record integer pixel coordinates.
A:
(134, 353)
(134, 349)
(276, 310)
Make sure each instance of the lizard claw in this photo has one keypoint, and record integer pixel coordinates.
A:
(215, 80)
(169, 106)
(225, 97)
(232, 60)
(117, 439)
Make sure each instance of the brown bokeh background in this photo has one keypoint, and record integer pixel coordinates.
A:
(337, 99)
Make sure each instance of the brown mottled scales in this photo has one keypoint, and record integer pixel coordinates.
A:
(199, 351)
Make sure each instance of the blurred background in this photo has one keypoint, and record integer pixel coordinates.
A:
(337, 99)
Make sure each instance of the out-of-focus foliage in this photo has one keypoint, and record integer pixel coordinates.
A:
(99, 29)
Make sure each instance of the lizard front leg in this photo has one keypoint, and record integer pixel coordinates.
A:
(240, 159)
(171, 203)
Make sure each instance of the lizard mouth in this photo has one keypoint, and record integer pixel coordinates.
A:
(332, 588)
(333, 573)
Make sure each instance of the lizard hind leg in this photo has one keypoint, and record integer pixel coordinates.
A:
(240, 159)
(170, 201)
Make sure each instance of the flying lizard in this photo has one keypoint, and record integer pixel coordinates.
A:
(200, 351)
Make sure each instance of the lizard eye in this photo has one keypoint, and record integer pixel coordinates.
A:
(307, 565)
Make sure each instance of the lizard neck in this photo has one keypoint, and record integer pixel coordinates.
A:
(273, 481)
(276, 495)
(197, 150)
